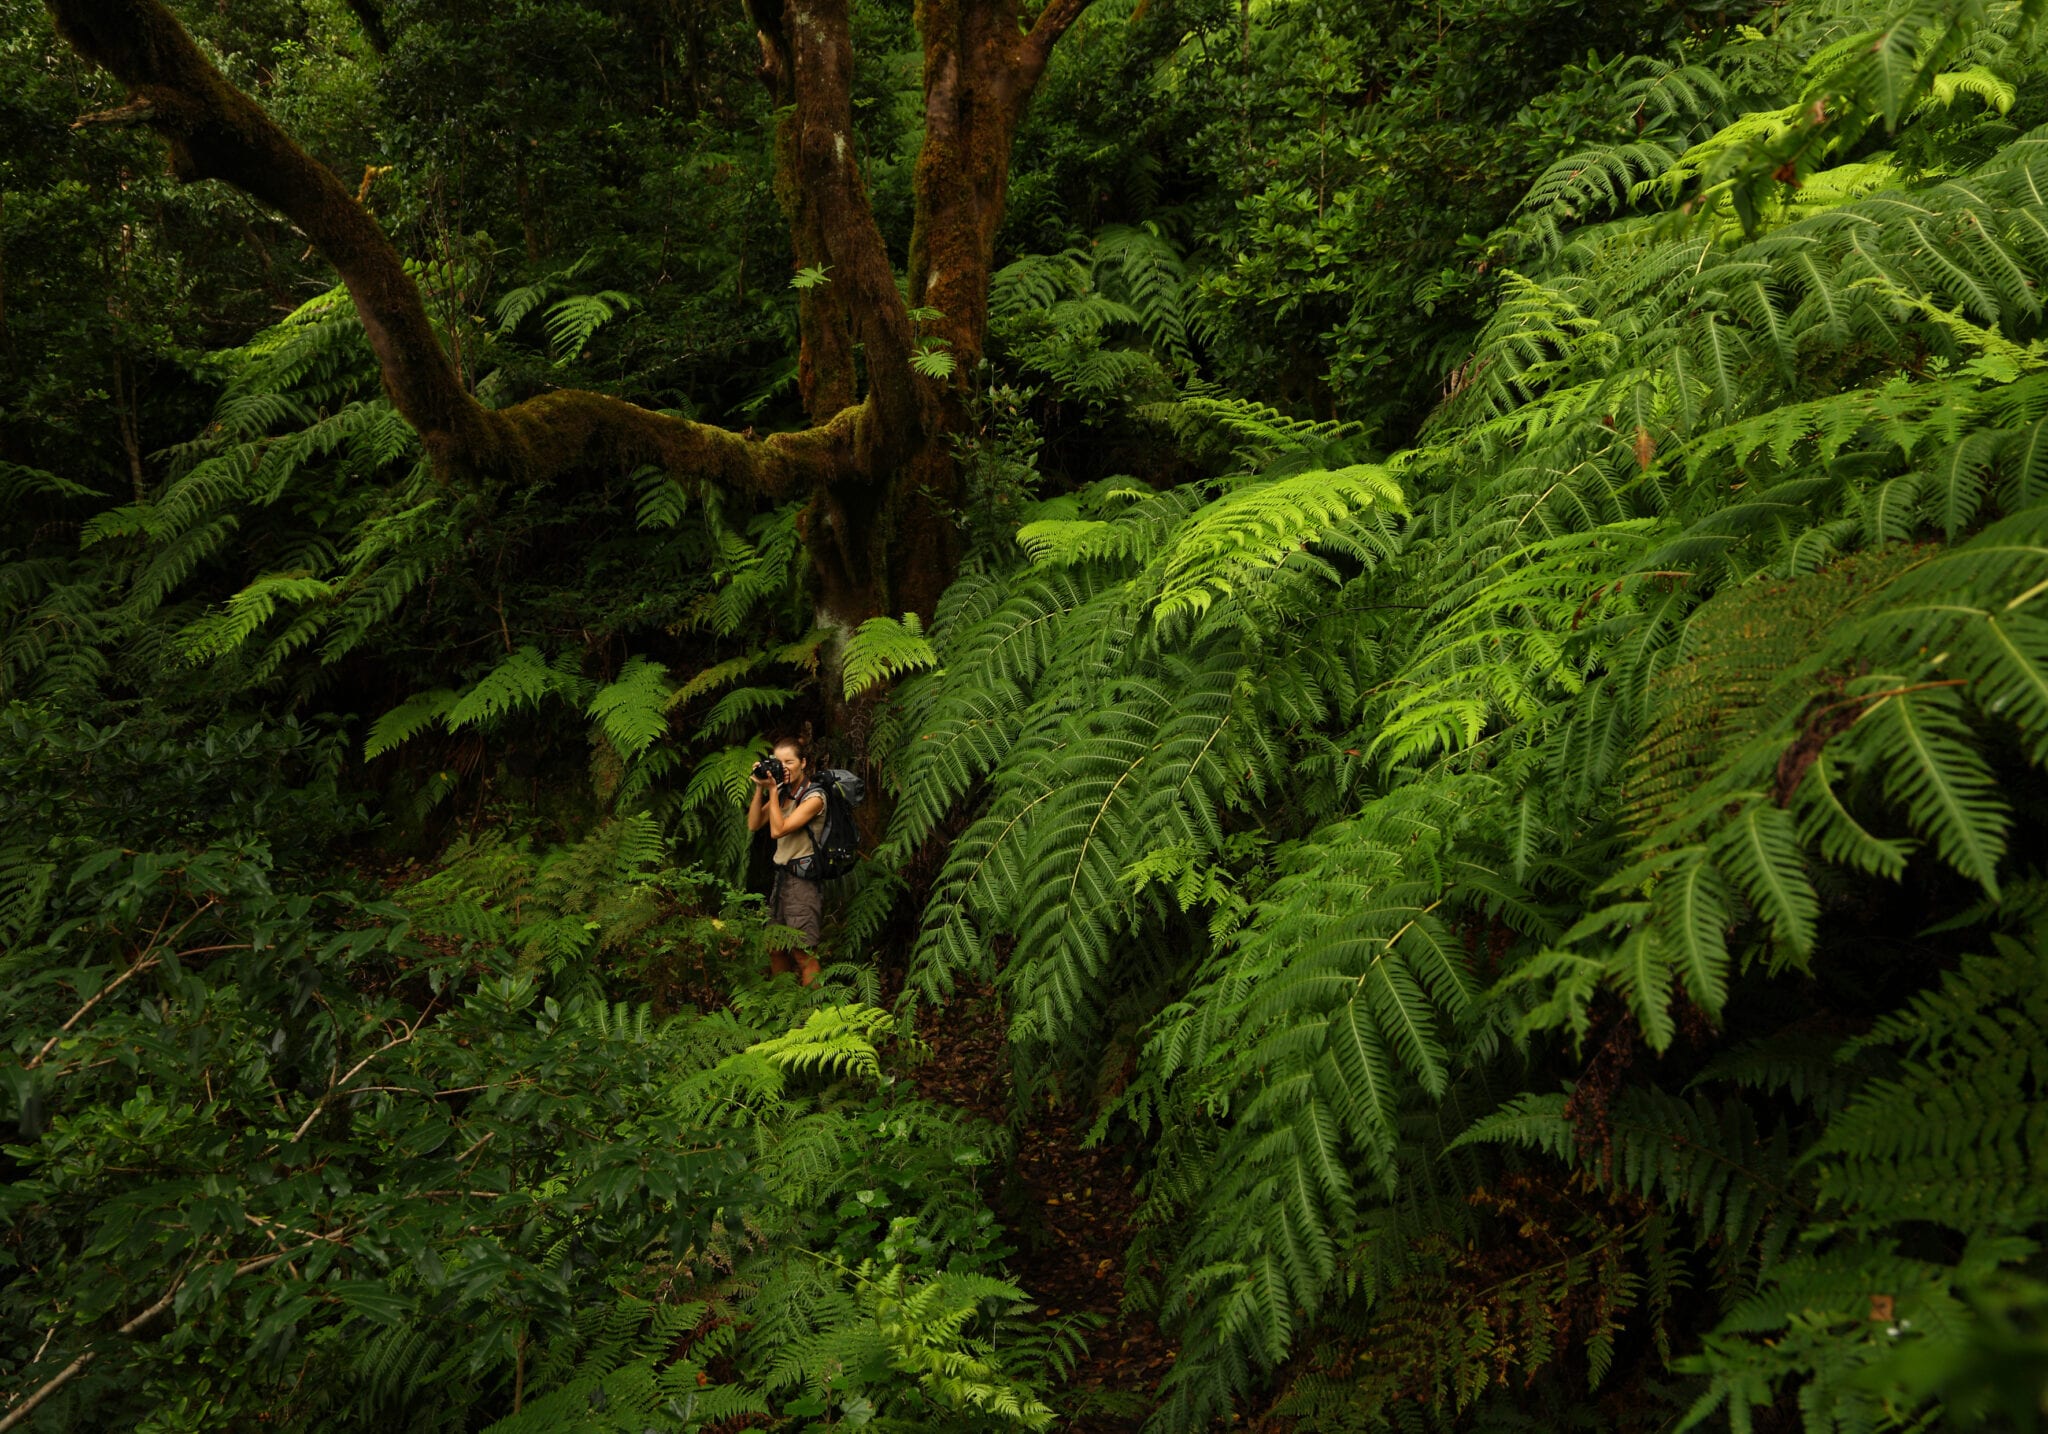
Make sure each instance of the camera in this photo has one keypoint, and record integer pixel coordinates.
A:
(768, 770)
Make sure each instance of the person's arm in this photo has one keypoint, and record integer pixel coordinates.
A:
(757, 809)
(781, 823)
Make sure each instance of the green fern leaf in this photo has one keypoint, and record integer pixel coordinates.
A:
(572, 322)
(633, 708)
(1249, 533)
(885, 649)
(223, 632)
(1534, 1121)
(523, 679)
(406, 721)
(833, 1039)
(1759, 848)
(1691, 912)
(1827, 824)
(1919, 740)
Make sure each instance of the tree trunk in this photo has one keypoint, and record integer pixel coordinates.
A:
(372, 20)
(877, 464)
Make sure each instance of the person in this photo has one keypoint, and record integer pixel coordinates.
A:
(793, 811)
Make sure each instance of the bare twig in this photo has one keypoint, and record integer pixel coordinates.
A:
(78, 1015)
(406, 1035)
(71, 1371)
(512, 1084)
(143, 962)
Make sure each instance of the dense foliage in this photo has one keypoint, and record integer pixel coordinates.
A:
(1488, 736)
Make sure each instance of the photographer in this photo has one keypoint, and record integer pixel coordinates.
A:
(792, 807)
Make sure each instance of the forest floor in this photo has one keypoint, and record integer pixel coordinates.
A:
(1069, 1211)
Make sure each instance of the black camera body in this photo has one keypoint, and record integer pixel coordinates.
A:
(768, 770)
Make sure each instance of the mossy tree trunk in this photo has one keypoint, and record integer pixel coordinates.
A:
(877, 462)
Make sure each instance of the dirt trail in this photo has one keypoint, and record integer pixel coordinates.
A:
(1068, 1211)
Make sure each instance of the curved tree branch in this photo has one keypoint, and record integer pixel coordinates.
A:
(1035, 49)
(214, 131)
(879, 467)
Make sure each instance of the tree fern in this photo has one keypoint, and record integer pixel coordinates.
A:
(883, 649)
(632, 709)
(1228, 545)
(1962, 1104)
(1629, 715)
(1323, 800)
(406, 721)
(1096, 322)
(834, 1039)
(1942, 1141)
(524, 679)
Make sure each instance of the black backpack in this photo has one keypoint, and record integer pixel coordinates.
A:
(835, 840)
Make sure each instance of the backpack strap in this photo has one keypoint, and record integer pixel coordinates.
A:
(816, 825)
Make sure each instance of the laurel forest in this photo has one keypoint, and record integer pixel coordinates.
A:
(1443, 610)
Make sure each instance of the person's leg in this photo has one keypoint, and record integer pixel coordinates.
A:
(779, 962)
(804, 911)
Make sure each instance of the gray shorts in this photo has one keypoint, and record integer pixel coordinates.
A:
(799, 905)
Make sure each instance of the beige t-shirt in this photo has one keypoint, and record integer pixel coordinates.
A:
(792, 845)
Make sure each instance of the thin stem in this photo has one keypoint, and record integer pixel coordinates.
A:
(396, 1041)
(144, 961)
(72, 1370)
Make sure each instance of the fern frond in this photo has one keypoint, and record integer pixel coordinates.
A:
(522, 680)
(632, 709)
(838, 1040)
(884, 649)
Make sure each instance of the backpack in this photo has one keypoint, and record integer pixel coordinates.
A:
(835, 840)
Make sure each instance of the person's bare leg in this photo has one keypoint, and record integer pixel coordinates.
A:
(806, 967)
(779, 964)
